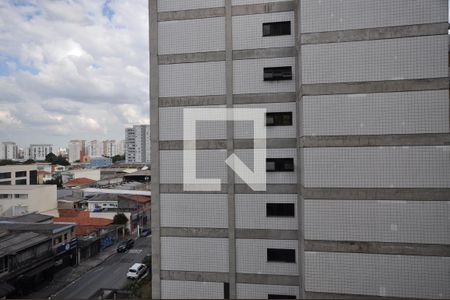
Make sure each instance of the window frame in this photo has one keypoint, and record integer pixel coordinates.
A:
(291, 253)
(280, 165)
(278, 73)
(277, 28)
(279, 118)
(280, 215)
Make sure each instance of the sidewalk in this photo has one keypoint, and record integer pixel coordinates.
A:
(71, 274)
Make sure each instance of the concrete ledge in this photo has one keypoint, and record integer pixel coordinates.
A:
(268, 279)
(264, 53)
(411, 194)
(264, 98)
(184, 58)
(194, 232)
(191, 14)
(370, 34)
(239, 188)
(194, 276)
(192, 101)
(316, 295)
(222, 144)
(263, 8)
(438, 139)
(179, 189)
(267, 234)
(375, 86)
(378, 248)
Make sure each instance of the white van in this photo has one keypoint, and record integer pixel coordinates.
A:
(136, 271)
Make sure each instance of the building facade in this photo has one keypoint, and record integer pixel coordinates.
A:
(109, 148)
(137, 144)
(19, 200)
(77, 150)
(40, 152)
(95, 148)
(8, 150)
(18, 175)
(357, 201)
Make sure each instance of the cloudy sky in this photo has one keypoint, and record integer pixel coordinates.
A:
(72, 69)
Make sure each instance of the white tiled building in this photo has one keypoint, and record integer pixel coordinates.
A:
(357, 103)
(137, 144)
(40, 152)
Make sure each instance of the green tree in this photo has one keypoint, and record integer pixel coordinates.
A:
(118, 158)
(50, 158)
(29, 162)
(120, 219)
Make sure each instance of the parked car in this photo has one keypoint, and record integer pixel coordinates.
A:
(136, 271)
(146, 232)
(125, 245)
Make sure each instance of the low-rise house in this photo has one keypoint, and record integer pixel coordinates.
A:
(16, 200)
(79, 183)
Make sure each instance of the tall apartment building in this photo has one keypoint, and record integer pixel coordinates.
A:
(95, 148)
(137, 144)
(77, 150)
(40, 152)
(358, 193)
(8, 150)
(109, 148)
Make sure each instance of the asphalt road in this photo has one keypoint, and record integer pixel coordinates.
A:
(110, 274)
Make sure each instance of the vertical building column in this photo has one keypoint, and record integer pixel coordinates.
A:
(300, 170)
(154, 121)
(230, 148)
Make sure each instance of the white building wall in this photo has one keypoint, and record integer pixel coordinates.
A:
(198, 254)
(390, 59)
(251, 257)
(424, 222)
(36, 199)
(172, 289)
(389, 275)
(40, 152)
(331, 15)
(372, 167)
(251, 212)
(194, 210)
(383, 113)
(174, 5)
(261, 291)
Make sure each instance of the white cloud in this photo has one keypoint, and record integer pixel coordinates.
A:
(68, 71)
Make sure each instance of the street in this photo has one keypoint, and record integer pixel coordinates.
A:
(110, 274)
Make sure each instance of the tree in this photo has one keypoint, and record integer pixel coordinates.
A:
(50, 158)
(120, 219)
(29, 162)
(118, 158)
(56, 160)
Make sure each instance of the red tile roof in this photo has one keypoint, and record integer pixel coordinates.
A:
(85, 224)
(79, 181)
(137, 198)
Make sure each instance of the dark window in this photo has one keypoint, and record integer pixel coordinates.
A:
(274, 296)
(21, 182)
(5, 175)
(33, 177)
(277, 28)
(280, 165)
(226, 290)
(21, 174)
(280, 209)
(279, 119)
(5, 183)
(281, 255)
(278, 73)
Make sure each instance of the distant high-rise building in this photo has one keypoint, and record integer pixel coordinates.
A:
(8, 150)
(38, 152)
(95, 148)
(358, 160)
(109, 148)
(121, 147)
(77, 150)
(137, 144)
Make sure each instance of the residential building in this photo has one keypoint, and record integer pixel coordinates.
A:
(95, 148)
(40, 152)
(8, 150)
(109, 148)
(121, 147)
(16, 200)
(18, 175)
(358, 181)
(77, 150)
(137, 144)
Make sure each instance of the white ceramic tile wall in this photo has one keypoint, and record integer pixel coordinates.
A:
(248, 31)
(378, 275)
(173, 5)
(190, 36)
(260, 291)
(251, 212)
(244, 2)
(194, 210)
(171, 125)
(191, 290)
(194, 79)
(194, 254)
(424, 222)
(383, 113)
(210, 164)
(251, 257)
(242, 130)
(332, 15)
(246, 155)
(391, 59)
(377, 167)
(248, 76)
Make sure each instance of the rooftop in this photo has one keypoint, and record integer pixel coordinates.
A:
(24, 187)
(36, 227)
(79, 181)
(14, 242)
(116, 191)
(29, 218)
